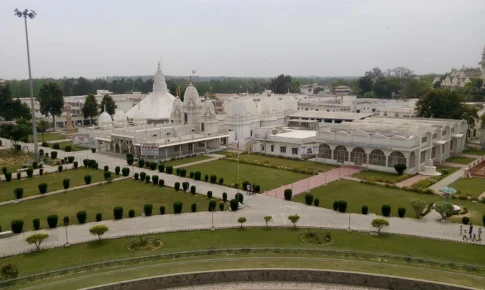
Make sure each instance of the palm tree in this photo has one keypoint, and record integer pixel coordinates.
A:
(42, 126)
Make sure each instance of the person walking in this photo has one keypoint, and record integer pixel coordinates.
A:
(474, 237)
(464, 236)
(470, 230)
(253, 186)
(461, 231)
(248, 187)
(479, 234)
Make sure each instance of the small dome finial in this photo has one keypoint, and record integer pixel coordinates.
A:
(159, 65)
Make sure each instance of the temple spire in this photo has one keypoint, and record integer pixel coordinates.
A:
(105, 107)
(159, 66)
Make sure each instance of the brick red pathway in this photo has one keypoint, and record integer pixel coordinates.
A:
(302, 186)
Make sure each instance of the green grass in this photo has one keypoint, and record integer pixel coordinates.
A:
(472, 186)
(474, 152)
(53, 180)
(372, 175)
(13, 159)
(129, 194)
(187, 160)
(267, 178)
(306, 166)
(255, 237)
(48, 137)
(374, 196)
(73, 146)
(460, 160)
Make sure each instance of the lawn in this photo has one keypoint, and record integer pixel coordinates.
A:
(129, 194)
(472, 186)
(474, 152)
(305, 166)
(460, 160)
(13, 159)
(48, 137)
(63, 145)
(53, 180)
(187, 160)
(374, 196)
(255, 237)
(267, 178)
(378, 176)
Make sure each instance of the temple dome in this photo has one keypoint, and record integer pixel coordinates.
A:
(191, 96)
(177, 103)
(120, 118)
(208, 108)
(104, 120)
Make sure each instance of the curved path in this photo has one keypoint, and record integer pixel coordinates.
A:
(258, 207)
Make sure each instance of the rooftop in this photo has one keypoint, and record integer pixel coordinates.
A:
(300, 134)
(330, 115)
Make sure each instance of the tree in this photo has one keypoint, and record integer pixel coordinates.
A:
(282, 84)
(9, 271)
(400, 168)
(51, 101)
(384, 87)
(42, 126)
(470, 114)
(294, 219)
(16, 132)
(36, 239)
(267, 219)
(444, 209)
(415, 88)
(12, 109)
(400, 72)
(364, 84)
(418, 206)
(438, 103)
(375, 74)
(241, 220)
(98, 230)
(379, 224)
(90, 108)
(108, 103)
(474, 85)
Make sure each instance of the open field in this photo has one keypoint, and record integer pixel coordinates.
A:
(472, 186)
(460, 160)
(48, 137)
(267, 178)
(100, 199)
(187, 160)
(306, 166)
(374, 196)
(53, 180)
(474, 152)
(378, 176)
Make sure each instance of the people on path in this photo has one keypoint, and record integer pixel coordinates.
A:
(470, 230)
(464, 236)
(248, 188)
(253, 186)
(251, 189)
(474, 237)
(461, 231)
(479, 234)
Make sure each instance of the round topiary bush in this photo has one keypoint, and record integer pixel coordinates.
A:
(106, 168)
(162, 210)
(35, 165)
(169, 169)
(209, 194)
(465, 220)
(70, 159)
(206, 178)
(240, 197)
(147, 209)
(131, 213)
(191, 175)
(18, 192)
(257, 188)
(99, 217)
(117, 170)
(45, 144)
(224, 196)
(86, 162)
(192, 189)
(8, 176)
(155, 179)
(65, 220)
(185, 186)
(288, 194)
(136, 176)
(244, 185)
(316, 202)
(52, 220)
(221, 181)
(36, 223)
(53, 154)
(364, 209)
(161, 182)
(30, 172)
(193, 207)
(213, 178)
(309, 198)
(147, 178)
(19, 175)
(75, 164)
(221, 206)
(41, 171)
(176, 186)
(81, 216)
(342, 206)
(118, 212)
(87, 179)
(212, 205)
(401, 212)
(197, 175)
(4, 170)
(56, 146)
(483, 220)
(183, 172)
(335, 205)
(66, 182)
(125, 171)
(43, 188)
(386, 210)
(142, 176)
(17, 226)
(234, 203)
(177, 207)
(161, 167)
(93, 150)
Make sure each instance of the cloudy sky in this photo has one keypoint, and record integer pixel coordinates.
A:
(95, 38)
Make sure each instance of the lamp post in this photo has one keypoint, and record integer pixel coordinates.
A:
(30, 14)
(213, 228)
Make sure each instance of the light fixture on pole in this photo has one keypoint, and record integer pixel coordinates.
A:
(30, 14)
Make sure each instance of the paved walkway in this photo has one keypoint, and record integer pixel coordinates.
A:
(412, 180)
(214, 158)
(318, 180)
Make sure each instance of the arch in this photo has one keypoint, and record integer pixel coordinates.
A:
(412, 159)
(358, 156)
(117, 147)
(340, 154)
(324, 151)
(124, 147)
(396, 157)
(377, 157)
(249, 146)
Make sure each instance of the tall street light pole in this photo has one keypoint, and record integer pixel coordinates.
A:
(30, 14)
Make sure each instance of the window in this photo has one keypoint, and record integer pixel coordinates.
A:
(294, 151)
(262, 148)
(423, 157)
(443, 133)
(282, 149)
(435, 135)
(176, 148)
(191, 146)
(424, 139)
(272, 148)
(452, 130)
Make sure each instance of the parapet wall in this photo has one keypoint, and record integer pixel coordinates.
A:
(280, 275)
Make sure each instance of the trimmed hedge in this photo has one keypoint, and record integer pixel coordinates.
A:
(131, 213)
(183, 172)
(185, 186)
(56, 146)
(17, 226)
(36, 223)
(136, 176)
(66, 183)
(18, 192)
(192, 189)
(87, 179)
(106, 168)
(68, 148)
(54, 154)
(169, 169)
(224, 196)
(212, 205)
(147, 209)
(43, 188)
(309, 198)
(465, 220)
(240, 197)
(65, 220)
(401, 212)
(209, 194)
(161, 182)
(197, 175)
(147, 179)
(176, 186)
(221, 206)
(118, 212)
(364, 209)
(117, 170)
(59, 168)
(177, 207)
(30, 172)
(70, 159)
(342, 206)
(19, 175)
(316, 202)
(99, 217)
(142, 176)
(52, 220)
(213, 178)
(288, 194)
(386, 210)
(206, 178)
(161, 167)
(162, 210)
(81, 216)
(8, 176)
(125, 171)
(193, 207)
(75, 164)
(234, 203)
(335, 205)
(153, 165)
(141, 163)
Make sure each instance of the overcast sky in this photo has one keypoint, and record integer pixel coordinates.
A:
(95, 38)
